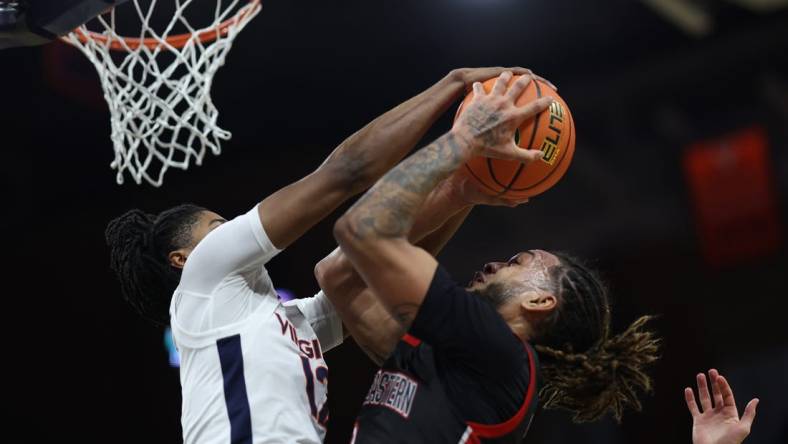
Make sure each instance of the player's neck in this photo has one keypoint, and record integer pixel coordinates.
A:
(519, 325)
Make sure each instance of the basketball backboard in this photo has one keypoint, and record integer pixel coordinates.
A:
(35, 22)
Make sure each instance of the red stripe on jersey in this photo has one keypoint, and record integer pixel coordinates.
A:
(411, 340)
(504, 428)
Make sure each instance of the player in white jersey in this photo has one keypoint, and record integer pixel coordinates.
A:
(252, 369)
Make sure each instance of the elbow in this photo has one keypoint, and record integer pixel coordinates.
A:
(325, 270)
(355, 237)
(338, 279)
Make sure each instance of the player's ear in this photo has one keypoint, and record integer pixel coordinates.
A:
(178, 257)
(538, 303)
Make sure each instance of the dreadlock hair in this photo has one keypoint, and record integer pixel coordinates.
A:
(140, 244)
(586, 370)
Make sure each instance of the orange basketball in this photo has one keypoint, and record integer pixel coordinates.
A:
(552, 131)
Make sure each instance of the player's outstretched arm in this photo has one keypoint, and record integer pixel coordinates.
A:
(362, 158)
(374, 232)
(718, 423)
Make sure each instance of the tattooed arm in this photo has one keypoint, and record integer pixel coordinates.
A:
(374, 232)
(370, 324)
(375, 331)
(362, 158)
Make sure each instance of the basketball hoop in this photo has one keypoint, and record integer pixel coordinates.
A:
(158, 84)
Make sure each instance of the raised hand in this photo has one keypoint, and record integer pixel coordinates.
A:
(490, 120)
(718, 423)
(469, 76)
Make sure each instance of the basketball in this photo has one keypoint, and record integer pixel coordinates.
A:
(552, 131)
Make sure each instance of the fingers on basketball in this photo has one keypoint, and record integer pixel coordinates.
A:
(501, 84)
(517, 88)
(478, 90)
(547, 82)
(513, 152)
(545, 131)
(527, 156)
(533, 108)
(519, 70)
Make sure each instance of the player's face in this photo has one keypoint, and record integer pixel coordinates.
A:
(529, 269)
(207, 222)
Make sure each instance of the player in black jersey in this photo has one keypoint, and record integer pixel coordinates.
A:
(468, 369)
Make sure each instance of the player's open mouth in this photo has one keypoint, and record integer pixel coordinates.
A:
(478, 277)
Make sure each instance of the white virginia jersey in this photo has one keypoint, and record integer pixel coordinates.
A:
(252, 368)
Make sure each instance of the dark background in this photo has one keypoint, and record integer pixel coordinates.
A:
(306, 74)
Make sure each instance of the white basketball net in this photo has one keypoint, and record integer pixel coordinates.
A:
(158, 89)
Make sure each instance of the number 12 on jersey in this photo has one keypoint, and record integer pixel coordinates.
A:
(321, 374)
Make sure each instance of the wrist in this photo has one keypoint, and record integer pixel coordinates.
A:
(454, 84)
(470, 145)
(457, 77)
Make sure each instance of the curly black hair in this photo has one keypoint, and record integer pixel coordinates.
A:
(140, 244)
(586, 370)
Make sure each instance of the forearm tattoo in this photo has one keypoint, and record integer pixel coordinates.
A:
(389, 208)
(485, 124)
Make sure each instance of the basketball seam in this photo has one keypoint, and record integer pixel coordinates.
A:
(563, 154)
(530, 143)
(479, 179)
(492, 174)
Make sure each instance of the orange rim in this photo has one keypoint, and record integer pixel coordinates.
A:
(176, 41)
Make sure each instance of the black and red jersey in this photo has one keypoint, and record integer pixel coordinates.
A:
(459, 376)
